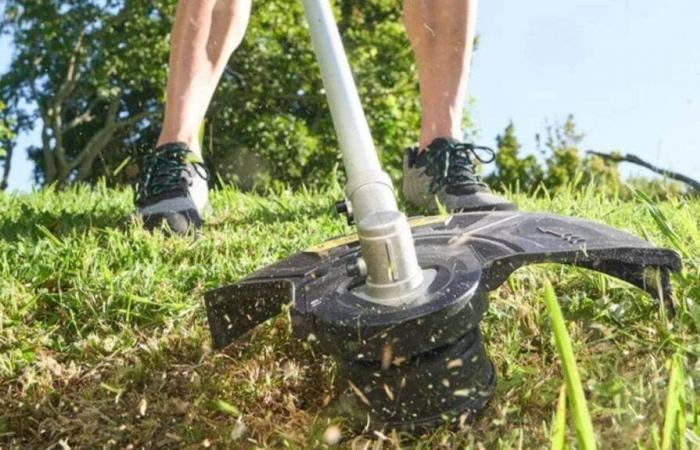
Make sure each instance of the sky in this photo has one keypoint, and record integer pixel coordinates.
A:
(628, 70)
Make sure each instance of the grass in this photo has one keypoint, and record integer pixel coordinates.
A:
(574, 387)
(103, 339)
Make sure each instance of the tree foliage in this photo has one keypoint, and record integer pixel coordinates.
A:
(91, 74)
(270, 123)
(564, 160)
(5, 132)
(87, 72)
(512, 170)
(563, 165)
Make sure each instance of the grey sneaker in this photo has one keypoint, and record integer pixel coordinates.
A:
(445, 172)
(173, 189)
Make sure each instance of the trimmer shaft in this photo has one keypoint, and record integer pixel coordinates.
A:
(388, 254)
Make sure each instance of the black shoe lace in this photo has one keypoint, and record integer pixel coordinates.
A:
(453, 165)
(165, 170)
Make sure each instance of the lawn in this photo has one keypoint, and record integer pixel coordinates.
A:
(104, 343)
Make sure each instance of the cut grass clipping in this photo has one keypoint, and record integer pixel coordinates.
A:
(581, 416)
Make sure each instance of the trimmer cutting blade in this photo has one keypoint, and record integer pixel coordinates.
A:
(411, 349)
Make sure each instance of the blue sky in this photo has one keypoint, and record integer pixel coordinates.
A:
(629, 71)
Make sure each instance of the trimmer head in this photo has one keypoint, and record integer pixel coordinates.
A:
(422, 362)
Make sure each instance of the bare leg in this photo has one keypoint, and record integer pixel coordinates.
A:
(205, 34)
(442, 36)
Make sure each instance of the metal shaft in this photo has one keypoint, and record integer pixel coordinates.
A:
(387, 243)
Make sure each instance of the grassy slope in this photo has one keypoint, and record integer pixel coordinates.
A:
(103, 341)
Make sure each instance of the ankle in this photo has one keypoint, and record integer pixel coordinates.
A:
(429, 133)
(192, 143)
(428, 138)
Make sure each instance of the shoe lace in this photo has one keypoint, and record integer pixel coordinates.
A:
(453, 165)
(165, 170)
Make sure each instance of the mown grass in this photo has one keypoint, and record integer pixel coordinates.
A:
(103, 340)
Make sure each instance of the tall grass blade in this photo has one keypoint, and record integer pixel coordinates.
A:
(582, 418)
(674, 412)
(559, 425)
(694, 432)
(661, 220)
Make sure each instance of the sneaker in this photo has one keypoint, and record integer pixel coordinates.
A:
(445, 173)
(173, 189)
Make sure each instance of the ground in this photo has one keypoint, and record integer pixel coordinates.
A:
(104, 343)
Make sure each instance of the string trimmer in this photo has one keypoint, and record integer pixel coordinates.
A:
(399, 304)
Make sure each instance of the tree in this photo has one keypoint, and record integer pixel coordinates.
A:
(564, 166)
(6, 136)
(86, 72)
(270, 123)
(564, 161)
(604, 173)
(634, 159)
(511, 170)
(91, 73)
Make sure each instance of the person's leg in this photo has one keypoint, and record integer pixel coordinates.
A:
(442, 35)
(205, 34)
(173, 188)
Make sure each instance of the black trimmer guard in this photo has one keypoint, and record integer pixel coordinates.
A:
(422, 363)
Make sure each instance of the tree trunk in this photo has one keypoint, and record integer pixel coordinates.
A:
(94, 148)
(6, 169)
(49, 162)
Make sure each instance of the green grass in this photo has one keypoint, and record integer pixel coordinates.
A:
(103, 340)
(574, 387)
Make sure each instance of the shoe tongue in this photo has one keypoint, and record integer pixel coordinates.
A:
(437, 144)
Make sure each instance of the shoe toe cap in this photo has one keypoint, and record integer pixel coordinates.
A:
(180, 222)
